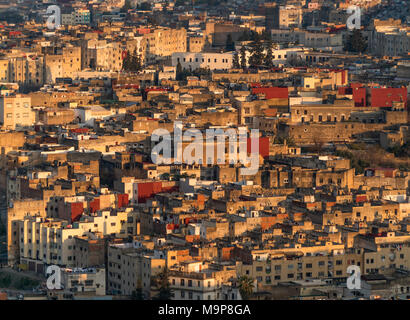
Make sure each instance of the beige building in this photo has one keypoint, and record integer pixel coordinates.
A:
(101, 55)
(23, 68)
(164, 42)
(51, 241)
(196, 43)
(197, 282)
(385, 252)
(16, 111)
(88, 282)
(64, 64)
(300, 263)
(138, 45)
(130, 268)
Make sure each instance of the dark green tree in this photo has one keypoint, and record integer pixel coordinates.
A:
(132, 62)
(138, 294)
(254, 36)
(356, 42)
(230, 45)
(235, 62)
(257, 56)
(135, 64)
(126, 63)
(243, 57)
(162, 282)
(268, 59)
(179, 71)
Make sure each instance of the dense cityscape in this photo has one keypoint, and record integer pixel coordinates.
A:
(204, 150)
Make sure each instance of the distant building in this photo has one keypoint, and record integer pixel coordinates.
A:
(212, 61)
(16, 111)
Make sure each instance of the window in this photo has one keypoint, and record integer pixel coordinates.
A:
(258, 269)
(189, 283)
(89, 283)
(308, 265)
(290, 275)
(182, 282)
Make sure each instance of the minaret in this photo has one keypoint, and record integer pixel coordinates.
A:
(313, 19)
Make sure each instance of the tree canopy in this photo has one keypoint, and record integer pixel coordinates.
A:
(356, 42)
(132, 62)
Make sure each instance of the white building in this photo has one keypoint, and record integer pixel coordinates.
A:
(51, 241)
(90, 281)
(279, 56)
(204, 60)
(88, 114)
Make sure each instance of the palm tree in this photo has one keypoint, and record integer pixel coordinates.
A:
(245, 287)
